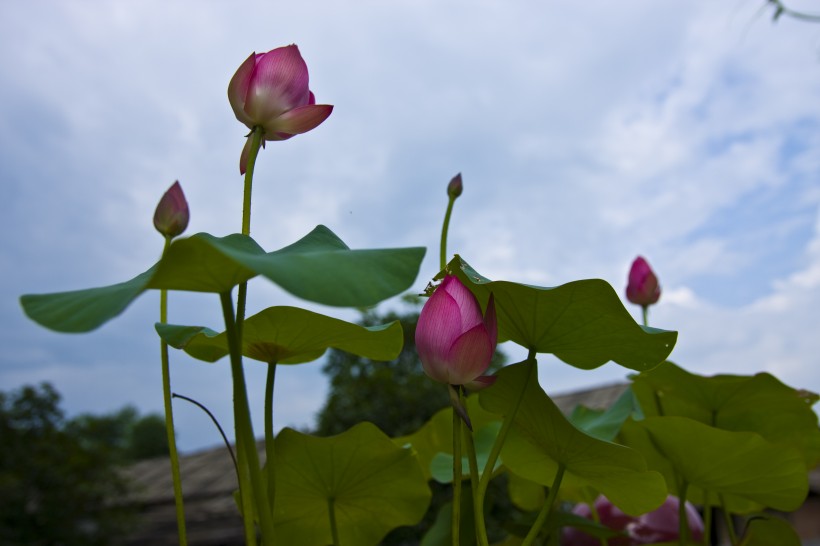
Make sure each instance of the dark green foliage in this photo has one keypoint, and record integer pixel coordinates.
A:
(147, 438)
(123, 435)
(60, 479)
(396, 396)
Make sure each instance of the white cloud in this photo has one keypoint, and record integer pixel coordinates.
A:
(587, 134)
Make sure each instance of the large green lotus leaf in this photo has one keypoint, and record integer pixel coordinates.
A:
(741, 465)
(83, 310)
(606, 424)
(201, 263)
(583, 323)
(436, 435)
(373, 485)
(758, 403)
(541, 438)
(204, 263)
(319, 267)
(525, 494)
(637, 437)
(769, 530)
(289, 335)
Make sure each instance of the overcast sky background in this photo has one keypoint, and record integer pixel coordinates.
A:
(587, 133)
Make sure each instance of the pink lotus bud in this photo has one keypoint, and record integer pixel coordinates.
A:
(643, 288)
(454, 341)
(661, 525)
(455, 187)
(172, 215)
(270, 90)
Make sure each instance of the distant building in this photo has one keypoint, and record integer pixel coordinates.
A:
(209, 480)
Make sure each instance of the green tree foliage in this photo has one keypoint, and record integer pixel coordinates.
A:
(59, 478)
(396, 396)
(124, 435)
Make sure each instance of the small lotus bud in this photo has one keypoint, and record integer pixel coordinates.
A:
(643, 288)
(455, 187)
(172, 215)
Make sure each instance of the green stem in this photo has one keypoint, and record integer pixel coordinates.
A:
(683, 523)
(256, 141)
(727, 517)
(216, 423)
(597, 519)
(242, 295)
(334, 531)
(780, 9)
(707, 518)
(444, 229)
(269, 436)
(245, 498)
(169, 416)
(246, 443)
(236, 370)
(645, 315)
(546, 509)
(455, 523)
(502, 436)
(480, 526)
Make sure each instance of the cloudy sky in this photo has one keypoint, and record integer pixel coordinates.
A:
(587, 133)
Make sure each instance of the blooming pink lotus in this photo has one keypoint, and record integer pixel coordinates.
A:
(661, 525)
(643, 288)
(270, 90)
(454, 340)
(172, 214)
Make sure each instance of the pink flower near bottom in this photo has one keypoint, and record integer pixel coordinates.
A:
(660, 525)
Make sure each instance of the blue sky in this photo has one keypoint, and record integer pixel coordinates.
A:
(587, 133)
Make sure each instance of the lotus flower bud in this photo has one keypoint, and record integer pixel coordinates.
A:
(455, 187)
(172, 215)
(454, 340)
(643, 288)
(270, 90)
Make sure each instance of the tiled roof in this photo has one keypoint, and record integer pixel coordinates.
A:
(209, 480)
